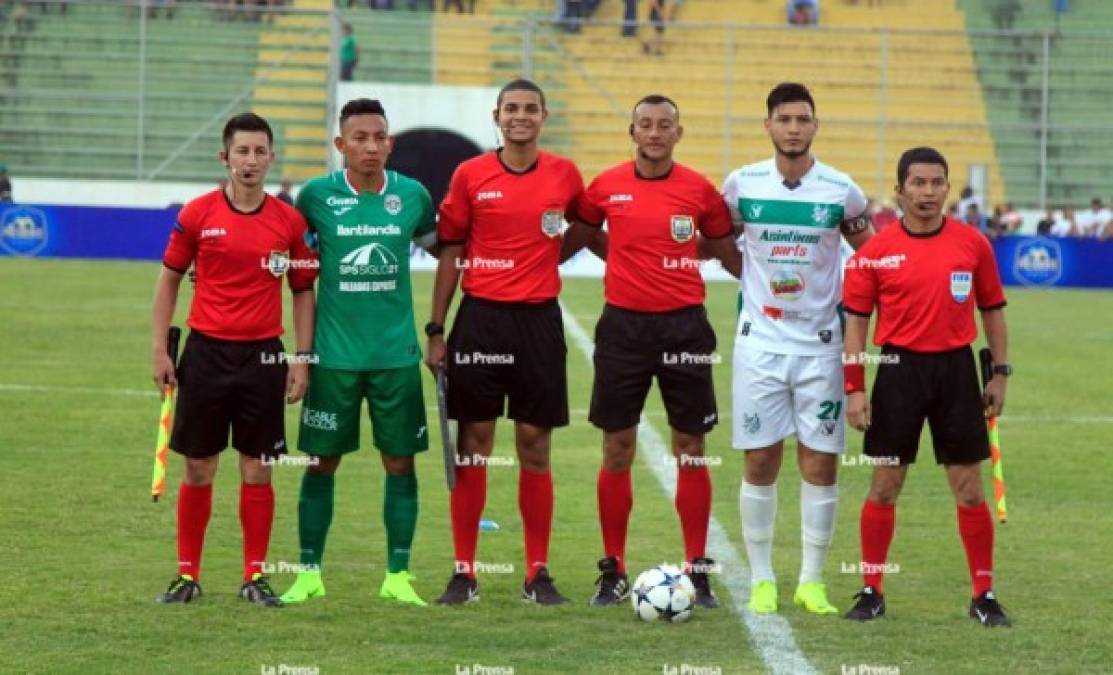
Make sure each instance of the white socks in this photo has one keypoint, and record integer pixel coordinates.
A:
(817, 527)
(758, 504)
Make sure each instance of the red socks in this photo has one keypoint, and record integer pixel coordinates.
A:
(693, 503)
(467, 501)
(975, 525)
(195, 505)
(877, 524)
(615, 493)
(535, 502)
(256, 518)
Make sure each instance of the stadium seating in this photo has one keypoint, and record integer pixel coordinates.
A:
(1011, 73)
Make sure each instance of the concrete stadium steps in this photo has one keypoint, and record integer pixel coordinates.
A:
(394, 46)
(1010, 70)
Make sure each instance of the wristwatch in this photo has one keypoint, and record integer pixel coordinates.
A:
(433, 328)
(1003, 369)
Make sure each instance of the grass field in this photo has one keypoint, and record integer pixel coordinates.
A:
(85, 551)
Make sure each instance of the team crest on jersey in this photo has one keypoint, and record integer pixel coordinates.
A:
(392, 204)
(961, 282)
(820, 214)
(683, 228)
(751, 423)
(755, 211)
(551, 222)
(825, 336)
(278, 262)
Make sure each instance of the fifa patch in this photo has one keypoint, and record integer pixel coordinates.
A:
(392, 204)
(278, 263)
(551, 222)
(683, 228)
(961, 282)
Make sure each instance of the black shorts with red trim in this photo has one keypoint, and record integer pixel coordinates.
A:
(227, 385)
(676, 347)
(508, 356)
(941, 387)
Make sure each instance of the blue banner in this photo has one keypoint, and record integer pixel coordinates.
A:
(84, 231)
(1055, 261)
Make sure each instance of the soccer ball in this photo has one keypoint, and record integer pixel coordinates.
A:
(663, 593)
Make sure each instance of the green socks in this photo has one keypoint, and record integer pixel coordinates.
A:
(400, 518)
(314, 516)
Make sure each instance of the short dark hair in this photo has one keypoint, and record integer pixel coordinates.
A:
(361, 106)
(920, 155)
(788, 92)
(247, 121)
(657, 99)
(521, 84)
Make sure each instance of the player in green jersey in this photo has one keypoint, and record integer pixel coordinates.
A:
(363, 220)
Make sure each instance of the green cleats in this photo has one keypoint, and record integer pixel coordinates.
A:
(396, 586)
(763, 597)
(812, 596)
(307, 585)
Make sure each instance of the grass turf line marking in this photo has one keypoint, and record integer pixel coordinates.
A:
(771, 635)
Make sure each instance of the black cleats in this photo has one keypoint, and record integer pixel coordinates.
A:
(698, 570)
(541, 590)
(612, 586)
(987, 611)
(183, 589)
(870, 605)
(259, 591)
(461, 590)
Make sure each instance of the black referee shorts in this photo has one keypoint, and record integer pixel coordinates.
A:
(225, 384)
(508, 350)
(677, 347)
(941, 387)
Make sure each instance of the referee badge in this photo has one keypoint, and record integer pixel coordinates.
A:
(960, 285)
(683, 228)
(278, 262)
(551, 222)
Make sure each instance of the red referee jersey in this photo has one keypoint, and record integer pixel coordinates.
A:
(510, 225)
(652, 261)
(239, 259)
(925, 286)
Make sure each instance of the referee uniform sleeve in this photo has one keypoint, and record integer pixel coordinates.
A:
(587, 208)
(455, 212)
(987, 281)
(716, 222)
(859, 286)
(182, 247)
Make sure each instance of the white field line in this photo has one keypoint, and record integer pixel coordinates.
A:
(771, 635)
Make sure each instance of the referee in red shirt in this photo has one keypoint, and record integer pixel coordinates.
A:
(233, 372)
(925, 279)
(500, 224)
(654, 325)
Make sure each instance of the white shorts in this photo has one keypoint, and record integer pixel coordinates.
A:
(777, 395)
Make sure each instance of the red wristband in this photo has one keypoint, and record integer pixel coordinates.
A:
(854, 374)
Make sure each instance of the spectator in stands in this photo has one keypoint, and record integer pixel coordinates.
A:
(656, 43)
(1064, 226)
(975, 218)
(802, 12)
(1043, 227)
(284, 192)
(349, 54)
(459, 4)
(630, 19)
(966, 198)
(429, 4)
(885, 216)
(1010, 220)
(5, 185)
(1004, 13)
(574, 12)
(1092, 222)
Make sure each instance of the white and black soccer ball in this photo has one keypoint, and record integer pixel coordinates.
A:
(663, 593)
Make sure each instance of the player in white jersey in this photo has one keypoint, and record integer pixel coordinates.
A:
(788, 378)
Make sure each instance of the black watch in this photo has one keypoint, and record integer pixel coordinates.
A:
(433, 329)
(1003, 369)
